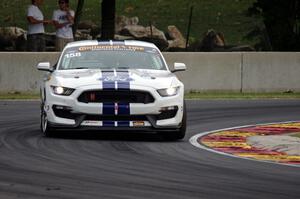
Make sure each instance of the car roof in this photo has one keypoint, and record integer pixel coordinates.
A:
(111, 42)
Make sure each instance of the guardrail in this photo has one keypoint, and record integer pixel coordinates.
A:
(234, 72)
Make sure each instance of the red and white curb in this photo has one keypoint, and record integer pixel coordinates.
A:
(232, 142)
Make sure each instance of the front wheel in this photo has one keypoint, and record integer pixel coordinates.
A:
(180, 133)
(44, 124)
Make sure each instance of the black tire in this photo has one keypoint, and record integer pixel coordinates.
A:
(44, 124)
(180, 133)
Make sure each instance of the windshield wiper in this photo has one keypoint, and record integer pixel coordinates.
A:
(122, 68)
(80, 68)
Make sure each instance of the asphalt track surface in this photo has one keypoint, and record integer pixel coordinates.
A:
(124, 165)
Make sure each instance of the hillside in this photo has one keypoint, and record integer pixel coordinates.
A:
(227, 16)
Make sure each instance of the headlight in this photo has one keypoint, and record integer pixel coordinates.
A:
(59, 90)
(168, 91)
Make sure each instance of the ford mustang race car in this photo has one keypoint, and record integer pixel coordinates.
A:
(113, 85)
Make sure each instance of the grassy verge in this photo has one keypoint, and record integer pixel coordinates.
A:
(18, 96)
(192, 95)
(296, 135)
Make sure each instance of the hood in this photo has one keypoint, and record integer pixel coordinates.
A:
(157, 79)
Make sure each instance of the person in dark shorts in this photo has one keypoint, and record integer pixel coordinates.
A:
(36, 22)
(63, 19)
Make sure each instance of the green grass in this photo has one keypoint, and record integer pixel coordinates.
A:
(227, 16)
(18, 96)
(296, 135)
(230, 95)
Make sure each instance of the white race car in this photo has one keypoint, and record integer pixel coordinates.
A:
(113, 85)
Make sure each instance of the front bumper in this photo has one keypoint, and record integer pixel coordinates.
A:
(68, 112)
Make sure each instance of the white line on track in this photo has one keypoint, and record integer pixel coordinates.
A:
(194, 141)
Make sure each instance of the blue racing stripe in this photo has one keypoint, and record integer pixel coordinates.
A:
(103, 42)
(123, 123)
(118, 42)
(110, 42)
(123, 108)
(109, 86)
(124, 82)
(108, 123)
(109, 81)
(108, 108)
(123, 86)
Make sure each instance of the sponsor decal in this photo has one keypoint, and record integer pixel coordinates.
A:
(112, 78)
(91, 123)
(111, 48)
(123, 82)
(115, 80)
(108, 84)
(138, 123)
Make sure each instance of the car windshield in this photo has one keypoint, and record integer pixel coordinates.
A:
(111, 57)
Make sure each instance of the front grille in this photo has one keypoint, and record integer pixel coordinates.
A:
(101, 96)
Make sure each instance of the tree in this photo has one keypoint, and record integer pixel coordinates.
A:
(108, 8)
(78, 14)
(281, 21)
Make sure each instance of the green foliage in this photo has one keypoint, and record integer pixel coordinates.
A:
(236, 95)
(227, 16)
(280, 30)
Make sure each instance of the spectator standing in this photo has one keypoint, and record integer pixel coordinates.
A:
(63, 19)
(36, 22)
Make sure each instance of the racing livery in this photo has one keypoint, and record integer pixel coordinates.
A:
(113, 85)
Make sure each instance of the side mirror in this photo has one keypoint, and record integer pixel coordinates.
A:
(179, 67)
(45, 66)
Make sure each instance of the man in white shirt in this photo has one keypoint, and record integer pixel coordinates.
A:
(63, 19)
(35, 33)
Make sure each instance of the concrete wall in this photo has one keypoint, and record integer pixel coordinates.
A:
(209, 71)
(18, 70)
(271, 72)
(247, 72)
